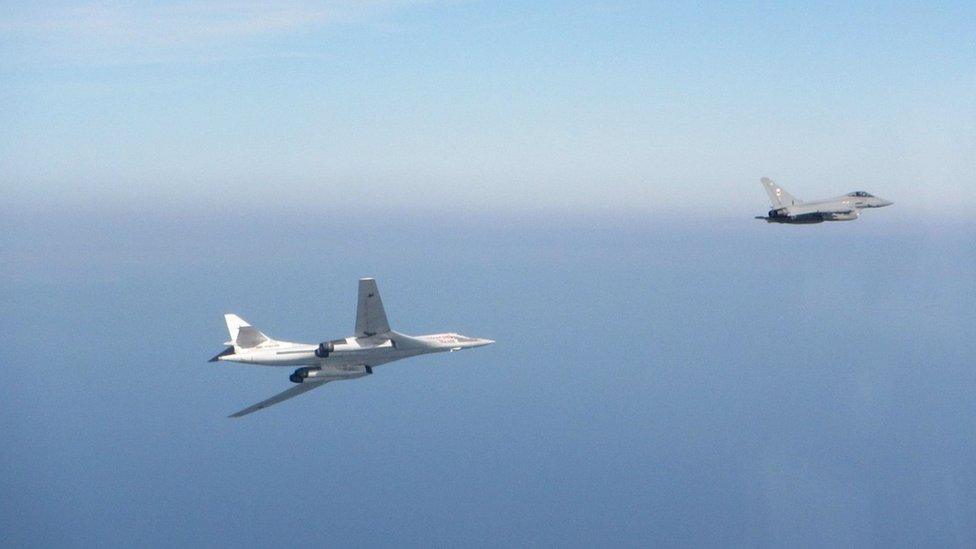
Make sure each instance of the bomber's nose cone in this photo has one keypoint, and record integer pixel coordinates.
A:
(471, 342)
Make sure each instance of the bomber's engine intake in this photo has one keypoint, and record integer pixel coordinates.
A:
(324, 349)
(302, 373)
(777, 214)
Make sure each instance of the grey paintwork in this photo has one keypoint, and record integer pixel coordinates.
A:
(788, 209)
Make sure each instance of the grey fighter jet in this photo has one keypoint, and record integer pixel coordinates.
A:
(787, 209)
(349, 358)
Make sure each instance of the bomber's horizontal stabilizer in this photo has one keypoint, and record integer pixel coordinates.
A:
(243, 334)
(225, 352)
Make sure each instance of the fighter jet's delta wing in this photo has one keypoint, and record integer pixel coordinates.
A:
(788, 209)
(349, 358)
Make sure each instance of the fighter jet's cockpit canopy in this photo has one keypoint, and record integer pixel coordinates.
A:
(861, 194)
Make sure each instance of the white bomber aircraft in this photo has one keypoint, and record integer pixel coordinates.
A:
(787, 209)
(374, 344)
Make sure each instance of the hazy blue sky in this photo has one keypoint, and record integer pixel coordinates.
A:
(522, 106)
(576, 180)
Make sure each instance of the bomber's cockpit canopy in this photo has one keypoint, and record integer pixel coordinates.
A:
(861, 194)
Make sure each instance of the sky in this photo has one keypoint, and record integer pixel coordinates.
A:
(500, 106)
(575, 180)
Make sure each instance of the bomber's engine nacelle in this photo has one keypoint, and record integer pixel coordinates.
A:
(315, 373)
(324, 349)
(302, 373)
(776, 214)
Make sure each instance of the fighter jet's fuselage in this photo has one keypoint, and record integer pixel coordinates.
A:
(787, 209)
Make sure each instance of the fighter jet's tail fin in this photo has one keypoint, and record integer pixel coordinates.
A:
(370, 316)
(777, 195)
(243, 334)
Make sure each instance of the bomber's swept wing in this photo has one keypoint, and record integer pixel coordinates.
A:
(282, 396)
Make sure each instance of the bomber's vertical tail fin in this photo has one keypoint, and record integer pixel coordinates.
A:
(779, 197)
(243, 334)
(370, 316)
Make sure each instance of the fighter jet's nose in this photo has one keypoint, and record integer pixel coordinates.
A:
(482, 342)
(885, 203)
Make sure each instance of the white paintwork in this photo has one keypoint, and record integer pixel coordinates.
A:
(788, 209)
(374, 344)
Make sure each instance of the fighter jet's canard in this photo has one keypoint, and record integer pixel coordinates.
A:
(374, 344)
(787, 209)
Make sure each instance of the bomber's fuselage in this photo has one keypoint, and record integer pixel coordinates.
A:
(351, 351)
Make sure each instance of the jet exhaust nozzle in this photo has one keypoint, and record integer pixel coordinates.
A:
(324, 349)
